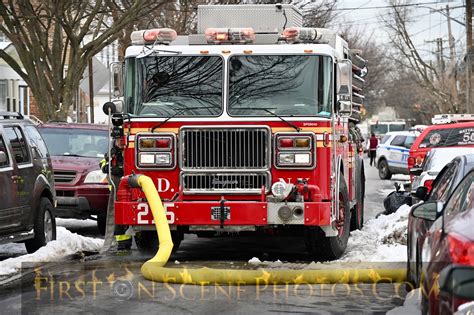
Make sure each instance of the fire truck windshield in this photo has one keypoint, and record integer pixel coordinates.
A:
(164, 86)
(292, 85)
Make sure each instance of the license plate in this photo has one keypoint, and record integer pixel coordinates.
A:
(216, 213)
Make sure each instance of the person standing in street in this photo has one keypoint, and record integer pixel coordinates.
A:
(373, 142)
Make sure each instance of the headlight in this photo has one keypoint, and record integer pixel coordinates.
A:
(296, 159)
(96, 177)
(156, 150)
(155, 159)
(163, 158)
(295, 150)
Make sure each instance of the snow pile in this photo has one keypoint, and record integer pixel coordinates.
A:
(255, 261)
(66, 244)
(411, 306)
(381, 239)
(75, 224)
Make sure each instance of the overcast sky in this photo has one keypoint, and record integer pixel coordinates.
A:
(429, 24)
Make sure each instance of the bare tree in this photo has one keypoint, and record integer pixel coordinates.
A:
(321, 13)
(433, 80)
(55, 39)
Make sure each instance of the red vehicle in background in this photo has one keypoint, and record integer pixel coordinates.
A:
(440, 136)
(81, 187)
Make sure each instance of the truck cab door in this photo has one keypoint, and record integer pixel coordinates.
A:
(9, 212)
(23, 179)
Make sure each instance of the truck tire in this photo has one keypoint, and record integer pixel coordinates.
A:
(357, 213)
(384, 171)
(324, 248)
(101, 221)
(44, 226)
(147, 241)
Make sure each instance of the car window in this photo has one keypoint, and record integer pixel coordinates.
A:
(385, 138)
(460, 136)
(398, 141)
(3, 148)
(36, 140)
(443, 185)
(19, 146)
(463, 197)
(91, 143)
(409, 142)
(448, 138)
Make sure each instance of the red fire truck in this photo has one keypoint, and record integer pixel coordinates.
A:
(248, 126)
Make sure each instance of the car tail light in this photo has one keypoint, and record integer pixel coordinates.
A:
(428, 184)
(156, 150)
(230, 35)
(295, 150)
(152, 36)
(461, 250)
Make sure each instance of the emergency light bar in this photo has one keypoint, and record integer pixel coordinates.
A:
(300, 35)
(157, 35)
(451, 118)
(230, 35)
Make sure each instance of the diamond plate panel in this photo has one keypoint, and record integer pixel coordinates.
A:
(262, 18)
(273, 218)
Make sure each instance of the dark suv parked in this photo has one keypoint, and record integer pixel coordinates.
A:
(76, 151)
(26, 184)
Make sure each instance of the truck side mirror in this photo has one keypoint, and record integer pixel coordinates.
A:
(3, 158)
(116, 79)
(344, 86)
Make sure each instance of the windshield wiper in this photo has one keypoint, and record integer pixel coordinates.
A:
(178, 112)
(268, 110)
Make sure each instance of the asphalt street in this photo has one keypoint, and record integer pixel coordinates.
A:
(113, 284)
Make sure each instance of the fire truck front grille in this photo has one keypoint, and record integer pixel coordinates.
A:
(222, 183)
(223, 148)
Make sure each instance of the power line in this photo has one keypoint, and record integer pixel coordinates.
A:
(388, 6)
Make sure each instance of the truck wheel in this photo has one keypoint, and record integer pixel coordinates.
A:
(101, 221)
(384, 171)
(329, 248)
(147, 241)
(44, 227)
(357, 213)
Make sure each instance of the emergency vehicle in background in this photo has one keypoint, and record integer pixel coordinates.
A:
(448, 130)
(248, 126)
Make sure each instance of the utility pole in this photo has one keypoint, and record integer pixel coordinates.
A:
(452, 51)
(469, 52)
(452, 65)
(91, 92)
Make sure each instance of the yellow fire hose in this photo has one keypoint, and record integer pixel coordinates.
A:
(153, 269)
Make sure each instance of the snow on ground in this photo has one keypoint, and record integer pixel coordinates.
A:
(66, 243)
(411, 306)
(75, 224)
(381, 239)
